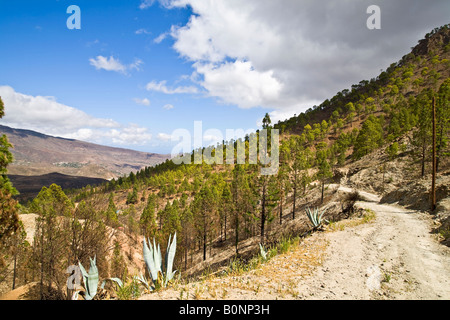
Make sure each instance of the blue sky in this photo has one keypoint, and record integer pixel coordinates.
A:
(137, 70)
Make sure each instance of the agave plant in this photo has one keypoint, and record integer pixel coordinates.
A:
(263, 252)
(90, 280)
(315, 217)
(153, 260)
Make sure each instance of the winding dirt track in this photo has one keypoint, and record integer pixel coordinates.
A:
(393, 257)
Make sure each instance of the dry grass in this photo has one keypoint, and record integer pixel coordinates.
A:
(291, 261)
(276, 278)
(366, 216)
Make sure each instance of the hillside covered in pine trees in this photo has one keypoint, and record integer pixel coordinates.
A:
(374, 138)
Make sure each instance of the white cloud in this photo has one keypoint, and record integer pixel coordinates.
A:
(112, 64)
(212, 138)
(146, 4)
(143, 102)
(136, 65)
(168, 107)
(285, 54)
(131, 135)
(46, 115)
(83, 134)
(108, 64)
(161, 87)
(164, 137)
(161, 37)
(240, 84)
(39, 111)
(142, 31)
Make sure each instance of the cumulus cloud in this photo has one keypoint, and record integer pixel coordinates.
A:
(48, 116)
(161, 37)
(161, 87)
(286, 54)
(164, 137)
(142, 31)
(239, 83)
(168, 107)
(143, 102)
(112, 64)
(132, 134)
(146, 4)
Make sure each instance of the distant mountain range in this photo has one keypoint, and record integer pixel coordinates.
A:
(40, 160)
(37, 154)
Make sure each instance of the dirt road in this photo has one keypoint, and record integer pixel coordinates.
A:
(394, 256)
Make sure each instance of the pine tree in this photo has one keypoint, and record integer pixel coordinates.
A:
(132, 197)
(187, 232)
(324, 169)
(51, 238)
(9, 219)
(111, 212)
(224, 209)
(422, 136)
(172, 223)
(269, 195)
(89, 238)
(369, 137)
(392, 150)
(242, 199)
(147, 220)
(442, 121)
(282, 180)
(118, 265)
(204, 209)
(299, 175)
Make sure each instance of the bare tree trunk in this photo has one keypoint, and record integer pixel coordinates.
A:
(281, 210)
(433, 182)
(423, 157)
(204, 245)
(15, 263)
(236, 240)
(293, 204)
(323, 186)
(225, 231)
(263, 213)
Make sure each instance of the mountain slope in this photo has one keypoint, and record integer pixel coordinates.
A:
(425, 67)
(217, 210)
(392, 257)
(37, 154)
(356, 135)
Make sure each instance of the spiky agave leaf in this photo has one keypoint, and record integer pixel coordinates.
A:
(90, 279)
(263, 252)
(170, 256)
(314, 217)
(116, 280)
(144, 282)
(157, 257)
(149, 258)
(75, 295)
(154, 262)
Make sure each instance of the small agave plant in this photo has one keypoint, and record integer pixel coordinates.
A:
(263, 252)
(90, 280)
(315, 217)
(153, 261)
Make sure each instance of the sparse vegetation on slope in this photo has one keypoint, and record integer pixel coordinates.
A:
(373, 137)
